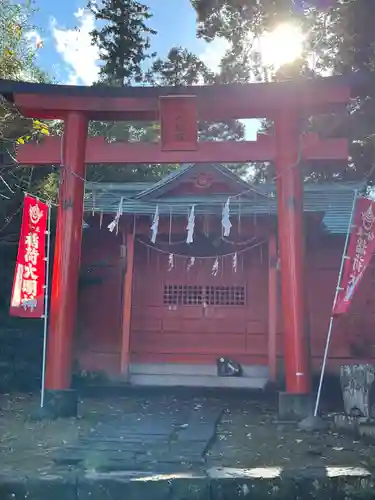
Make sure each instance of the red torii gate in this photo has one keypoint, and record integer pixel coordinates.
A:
(178, 110)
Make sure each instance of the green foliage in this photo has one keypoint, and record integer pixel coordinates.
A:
(123, 40)
(338, 42)
(17, 62)
(126, 132)
(17, 55)
(236, 19)
(179, 68)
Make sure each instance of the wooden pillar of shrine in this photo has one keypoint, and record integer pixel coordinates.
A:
(272, 306)
(295, 401)
(60, 399)
(127, 302)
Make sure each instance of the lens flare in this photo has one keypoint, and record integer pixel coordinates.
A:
(281, 46)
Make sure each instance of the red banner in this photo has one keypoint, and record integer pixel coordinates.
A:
(359, 253)
(29, 278)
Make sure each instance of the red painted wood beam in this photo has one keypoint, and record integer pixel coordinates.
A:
(52, 107)
(67, 256)
(99, 151)
(216, 102)
(291, 244)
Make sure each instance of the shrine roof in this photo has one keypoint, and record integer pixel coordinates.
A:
(332, 200)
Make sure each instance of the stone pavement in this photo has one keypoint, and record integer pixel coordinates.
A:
(143, 441)
(174, 447)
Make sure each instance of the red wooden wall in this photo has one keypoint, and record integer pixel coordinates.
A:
(98, 335)
(197, 334)
(353, 334)
(201, 332)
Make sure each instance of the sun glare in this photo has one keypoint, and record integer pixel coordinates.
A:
(281, 46)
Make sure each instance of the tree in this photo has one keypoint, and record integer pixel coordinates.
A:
(179, 68)
(338, 41)
(123, 41)
(17, 54)
(17, 62)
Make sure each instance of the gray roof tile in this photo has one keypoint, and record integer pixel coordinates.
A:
(333, 200)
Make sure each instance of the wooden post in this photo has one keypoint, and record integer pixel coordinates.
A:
(67, 255)
(127, 303)
(291, 242)
(272, 307)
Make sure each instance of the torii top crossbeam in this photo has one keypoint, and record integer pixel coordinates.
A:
(214, 103)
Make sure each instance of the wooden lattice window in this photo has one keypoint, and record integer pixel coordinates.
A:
(187, 295)
(191, 295)
(225, 295)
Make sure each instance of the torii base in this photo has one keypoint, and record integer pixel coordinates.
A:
(294, 407)
(58, 404)
(313, 424)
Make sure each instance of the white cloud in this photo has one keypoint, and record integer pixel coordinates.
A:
(214, 52)
(75, 48)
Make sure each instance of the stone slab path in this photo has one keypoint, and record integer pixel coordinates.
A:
(153, 441)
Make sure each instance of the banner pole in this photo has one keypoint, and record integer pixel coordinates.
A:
(329, 334)
(45, 315)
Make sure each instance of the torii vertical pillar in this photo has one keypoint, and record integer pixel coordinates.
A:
(295, 402)
(60, 400)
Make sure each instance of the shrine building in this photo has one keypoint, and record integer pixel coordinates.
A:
(179, 307)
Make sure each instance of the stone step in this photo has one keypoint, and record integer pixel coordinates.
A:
(173, 380)
(192, 369)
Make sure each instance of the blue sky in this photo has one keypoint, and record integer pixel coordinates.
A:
(67, 54)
